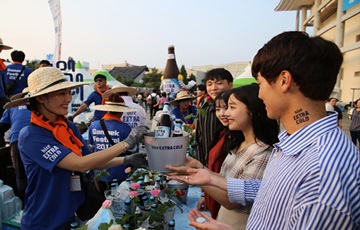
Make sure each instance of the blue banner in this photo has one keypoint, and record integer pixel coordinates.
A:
(349, 3)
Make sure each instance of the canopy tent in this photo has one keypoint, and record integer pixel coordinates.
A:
(111, 81)
(245, 78)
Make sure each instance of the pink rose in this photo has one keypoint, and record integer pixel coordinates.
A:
(128, 170)
(155, 192)
(133, 194)
(106, 204)
(135, 186)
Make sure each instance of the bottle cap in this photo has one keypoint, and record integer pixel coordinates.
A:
(200, 220)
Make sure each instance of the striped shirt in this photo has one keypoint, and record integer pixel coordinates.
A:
(311, 182)
(206, 128)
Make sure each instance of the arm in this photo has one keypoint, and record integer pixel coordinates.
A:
(80, 109)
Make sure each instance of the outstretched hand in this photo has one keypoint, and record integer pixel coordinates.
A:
(182, 170)
(209, 224)
(195, 177)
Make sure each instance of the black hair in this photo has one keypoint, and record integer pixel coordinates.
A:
(99, 76)
(45, 62)
(17, 56)
(219, 74)
(265, 129)
(201, 87)
(313, 62)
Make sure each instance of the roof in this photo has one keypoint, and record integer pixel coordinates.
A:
(289, 5)
(129, 72)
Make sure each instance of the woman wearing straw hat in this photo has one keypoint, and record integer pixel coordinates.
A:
(54, 153)
(183, 108)
(117, 131)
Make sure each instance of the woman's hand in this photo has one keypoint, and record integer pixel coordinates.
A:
(201, 205)
(182, 170)
(196, 177)
(210, 223)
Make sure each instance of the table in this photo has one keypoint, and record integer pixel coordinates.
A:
(181, 219)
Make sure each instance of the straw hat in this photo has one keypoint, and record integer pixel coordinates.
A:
(42, 81)
(19, 95)
(110, 106)
(4, 47)
(120, 88)
(182, 95)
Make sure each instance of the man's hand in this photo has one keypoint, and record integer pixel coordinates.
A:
(209, 224)
(138, 160)
(136, 134)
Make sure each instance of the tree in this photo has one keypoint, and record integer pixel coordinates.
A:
(184, 74)
(153, 78)
(124, 80)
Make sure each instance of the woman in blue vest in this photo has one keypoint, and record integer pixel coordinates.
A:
(55, 155)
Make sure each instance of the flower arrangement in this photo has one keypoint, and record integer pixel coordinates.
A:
(149, 202)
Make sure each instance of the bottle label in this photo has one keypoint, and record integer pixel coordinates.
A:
(162, 132)
(171, 56)
(178, 128)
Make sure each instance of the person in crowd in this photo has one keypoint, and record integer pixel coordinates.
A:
(249, 146)
(140, 99)
(55, 155)
(95, 97)
(183, 108)
(146, 104)
(333, 102)
(201, 95)
(116, 130)
(3, 96)
(132, 118)
(16, 74)
(355, 124)
(16, 119)
(312, 178)
(217, 81)
(44, 63)
(153, 102)
(162, 100)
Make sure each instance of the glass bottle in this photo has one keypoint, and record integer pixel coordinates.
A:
(163, 129)
(170, 82)
(171, 225)
(178, 132)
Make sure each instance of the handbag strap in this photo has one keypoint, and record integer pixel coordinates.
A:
(103, 126)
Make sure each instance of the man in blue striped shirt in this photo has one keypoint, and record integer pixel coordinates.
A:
(312, 179)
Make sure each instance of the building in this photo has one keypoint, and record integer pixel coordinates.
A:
(337, 21)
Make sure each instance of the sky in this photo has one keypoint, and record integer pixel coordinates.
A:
(204, 32)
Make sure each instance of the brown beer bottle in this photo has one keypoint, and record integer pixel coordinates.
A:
(171, 69)
(163, 129)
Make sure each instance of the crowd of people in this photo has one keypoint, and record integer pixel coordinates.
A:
(253, 175)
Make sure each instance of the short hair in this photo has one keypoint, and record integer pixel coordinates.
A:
(45, 62)
(163, 94)
(17, 56)
(312, 61)
(218, 74)
(201, 87)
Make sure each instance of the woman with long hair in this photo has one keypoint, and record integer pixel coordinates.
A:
(249, 146)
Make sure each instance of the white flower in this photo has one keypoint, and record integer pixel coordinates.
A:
(115, 227)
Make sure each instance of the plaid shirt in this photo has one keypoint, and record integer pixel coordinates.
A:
(247, 164)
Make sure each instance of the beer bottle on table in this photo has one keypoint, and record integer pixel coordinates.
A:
(177, 128)
(163, 129)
